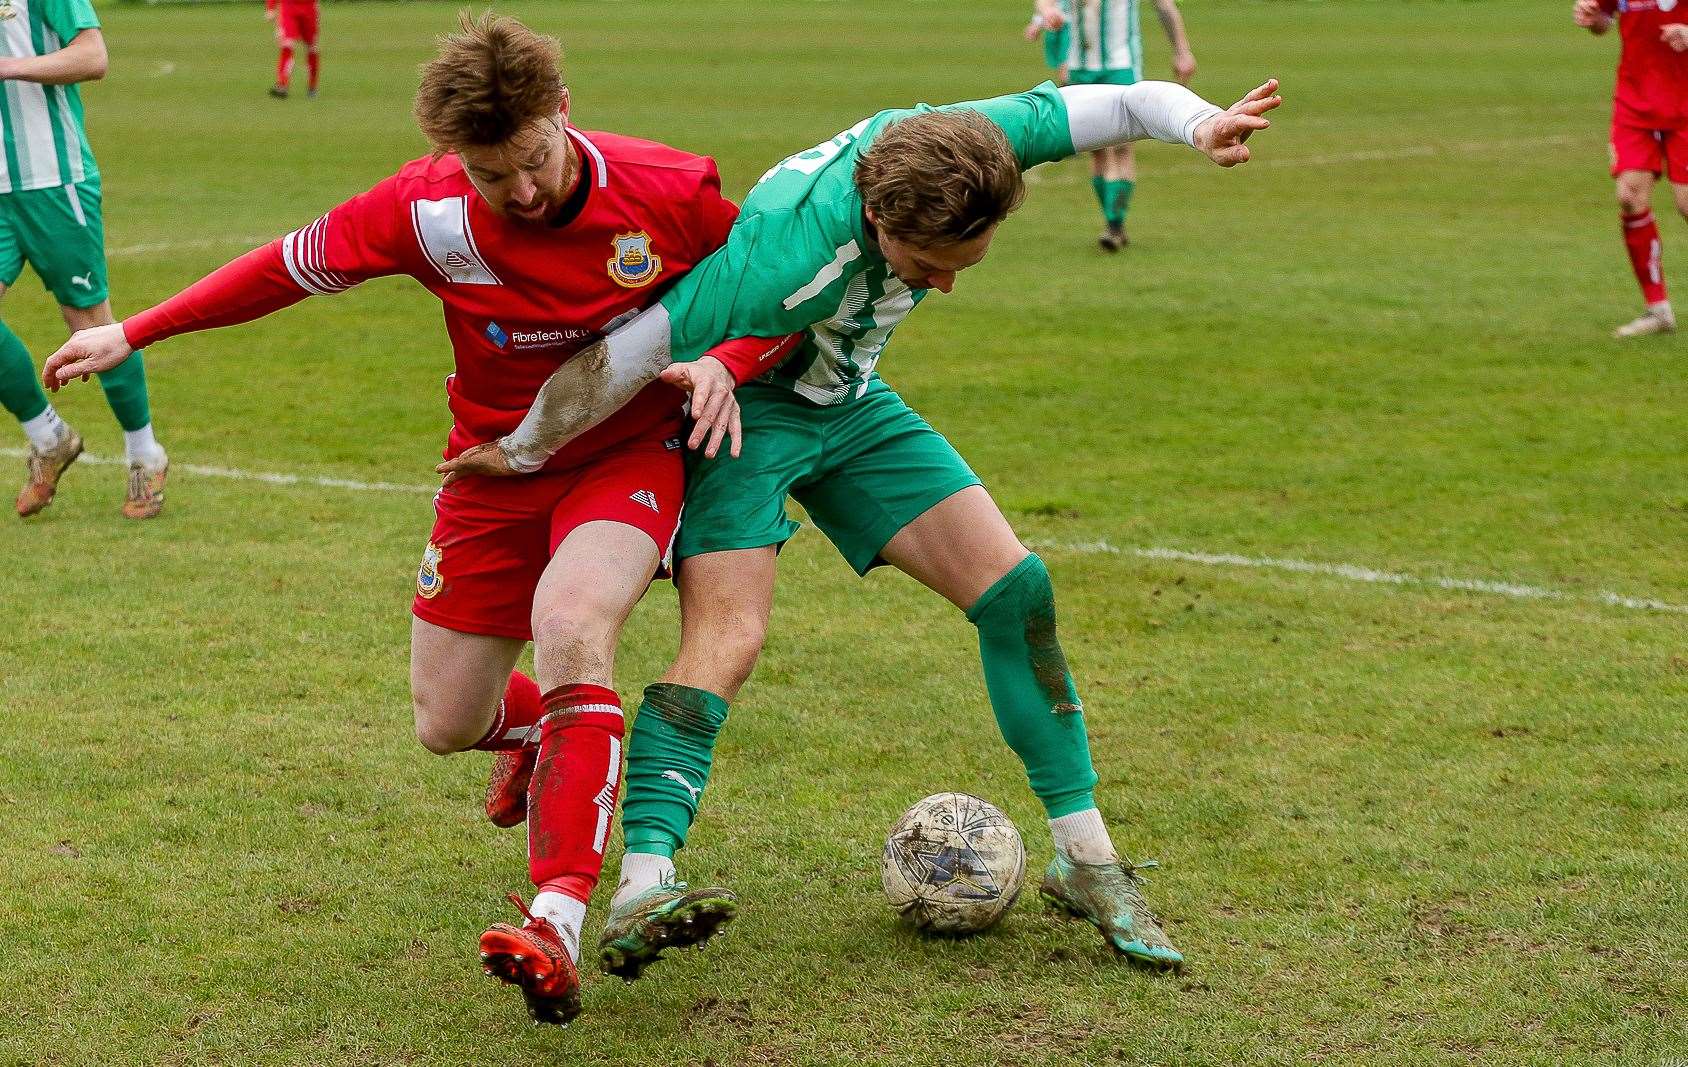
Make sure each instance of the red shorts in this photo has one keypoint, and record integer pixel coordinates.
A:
(494, 536)
(1658, 151)
(299, 24)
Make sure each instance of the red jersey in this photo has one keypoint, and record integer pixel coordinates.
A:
(1652, 77)
(519, 298)
(291, 5)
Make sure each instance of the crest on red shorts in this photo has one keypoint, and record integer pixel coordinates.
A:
(634, 265)
(428, 580)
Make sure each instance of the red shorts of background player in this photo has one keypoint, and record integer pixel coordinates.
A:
(299, 24)
(493, 536)
(1658, 151)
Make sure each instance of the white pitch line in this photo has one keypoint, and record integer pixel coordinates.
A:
(265, 477)
(1347, 571)
(1352, 573)
(197, 242)
(1038, 175)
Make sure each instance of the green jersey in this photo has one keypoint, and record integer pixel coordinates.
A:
(45, 144)
(1105, 36)
(799, 258)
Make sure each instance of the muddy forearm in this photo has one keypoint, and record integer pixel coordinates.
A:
(589, 389)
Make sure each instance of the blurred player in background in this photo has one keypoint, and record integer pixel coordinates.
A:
(296, 24)
(50, 217)
(536, 237)
(843, 241)
(1055, 43)
(1105, 47)
(1649, 134)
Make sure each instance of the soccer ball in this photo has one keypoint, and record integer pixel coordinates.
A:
(953, 864)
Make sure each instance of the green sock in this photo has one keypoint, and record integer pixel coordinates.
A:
(20, 390)
(668, 760)
(1031, 690)
(1100, 187)
(1119, 196)
(125, 388)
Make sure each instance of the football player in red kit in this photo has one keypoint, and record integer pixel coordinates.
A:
(537, 238)
(296, 23)
(1649, 133)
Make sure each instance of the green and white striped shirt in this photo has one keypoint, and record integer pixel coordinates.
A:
(799, 257)
(1105, 36)
(45, 145)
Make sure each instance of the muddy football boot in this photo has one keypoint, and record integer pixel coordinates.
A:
(534, 958)
(144, 498)
(45, 466)
(667, 915)
(507, 786)
(1107, 896)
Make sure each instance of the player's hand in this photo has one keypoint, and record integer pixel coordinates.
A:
(1033, 28)
(1221, 137)
(1589, 15)
(87, 352)
(1184, 67)
(1675, 34)
(715, 410)
(488, 460)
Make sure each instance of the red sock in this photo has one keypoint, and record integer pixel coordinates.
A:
(576, 780)
(1641, 237)
(284, 66)
(518, 713)
(314, 63)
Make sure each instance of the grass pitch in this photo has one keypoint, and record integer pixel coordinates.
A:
(1399, 823)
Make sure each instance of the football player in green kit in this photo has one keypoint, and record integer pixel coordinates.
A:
(842, 241)
(1105, 47)
(50, 216)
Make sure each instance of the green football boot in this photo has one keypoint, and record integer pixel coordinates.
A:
(667, 915)
(1106, 895)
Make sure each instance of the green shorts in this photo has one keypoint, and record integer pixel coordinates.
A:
(1103, 77)
(1055, 45)
(863, 470)
(59, 232)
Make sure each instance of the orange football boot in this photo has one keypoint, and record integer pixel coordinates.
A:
(535, 958)
(45, 467)
(145, 497)
(507, 786)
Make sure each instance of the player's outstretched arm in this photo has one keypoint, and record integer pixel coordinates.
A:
(1103, 115)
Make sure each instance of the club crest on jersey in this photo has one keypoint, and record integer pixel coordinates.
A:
(634, 265)
(428, 580)
(7, 11)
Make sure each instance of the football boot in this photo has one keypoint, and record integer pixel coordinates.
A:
(667, 915)
(45, 468)
(1107, 896)
(507, 786)
(535, 958)
(144, 498)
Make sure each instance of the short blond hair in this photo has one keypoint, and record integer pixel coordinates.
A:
(940, 177)
(491, 79)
